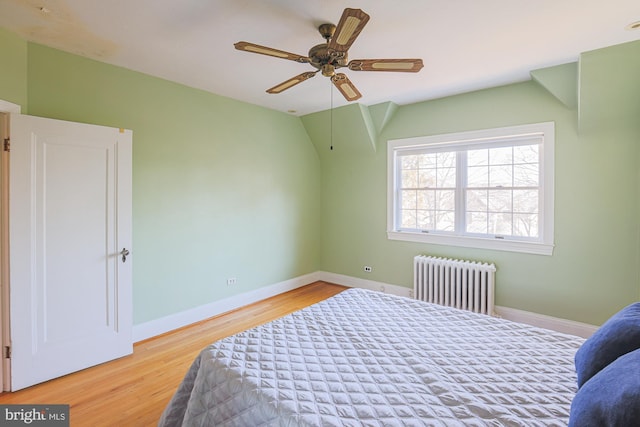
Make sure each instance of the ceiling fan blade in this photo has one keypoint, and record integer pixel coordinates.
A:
(402, 65)
(350, 25)
(346, 88)
(292, 82)
(263, 50)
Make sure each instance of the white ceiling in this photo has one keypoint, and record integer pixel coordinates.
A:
(465, 44)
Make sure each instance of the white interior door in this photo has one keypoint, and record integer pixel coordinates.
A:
(70, 220)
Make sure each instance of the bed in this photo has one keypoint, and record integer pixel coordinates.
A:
(373, 359)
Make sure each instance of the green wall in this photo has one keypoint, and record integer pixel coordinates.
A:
(594, 269)
(217, 181)
(221, 188)
(13, 69)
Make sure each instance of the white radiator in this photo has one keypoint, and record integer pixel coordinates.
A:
(467, 285)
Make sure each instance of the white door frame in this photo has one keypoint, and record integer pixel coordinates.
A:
(5, 369)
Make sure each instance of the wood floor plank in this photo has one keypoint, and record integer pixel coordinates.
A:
(134, 390)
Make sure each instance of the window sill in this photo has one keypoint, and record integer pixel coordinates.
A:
(473, 242)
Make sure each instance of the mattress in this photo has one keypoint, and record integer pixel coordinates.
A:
(364, 358)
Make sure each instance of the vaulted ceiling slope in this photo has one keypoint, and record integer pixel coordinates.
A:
(465, 45)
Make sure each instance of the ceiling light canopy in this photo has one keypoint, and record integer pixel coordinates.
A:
(633, 25)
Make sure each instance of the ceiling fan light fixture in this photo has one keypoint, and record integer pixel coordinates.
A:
(328, 70)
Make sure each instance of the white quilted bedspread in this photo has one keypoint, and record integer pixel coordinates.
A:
(364, 358)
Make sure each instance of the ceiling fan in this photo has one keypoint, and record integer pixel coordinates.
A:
(332, 55)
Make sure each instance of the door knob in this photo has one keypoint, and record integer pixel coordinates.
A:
(124, 252)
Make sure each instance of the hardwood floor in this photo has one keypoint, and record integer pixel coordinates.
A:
(133, 390)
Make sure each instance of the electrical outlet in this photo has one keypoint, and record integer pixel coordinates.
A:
(367, 269)
(231, 281)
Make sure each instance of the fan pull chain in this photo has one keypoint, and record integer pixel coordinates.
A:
(331, 115)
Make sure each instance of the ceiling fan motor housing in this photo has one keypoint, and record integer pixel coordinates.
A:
(320, 55)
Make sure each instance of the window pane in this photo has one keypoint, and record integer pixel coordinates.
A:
(446, 159)
(477, 157)
(500, 176)
(476, 222)
(427, 160)
(425, 220)
(500, 201)
(525, 225)
(525, 175)
(501, 156)
(408, 218)
(446, 200)
(525, 201)
(500, 223)
(445, 221)
(409, 179)
(409, 199)
(447, 177)
(477, 200)
(426, 199)
(409, 162)
(477, 176)
(526, 154)
(427, 178)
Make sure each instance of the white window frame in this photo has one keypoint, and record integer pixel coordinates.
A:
(543, 245)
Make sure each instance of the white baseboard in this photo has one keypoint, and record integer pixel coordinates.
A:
(174, 321)
(355, 282)
(565, 326)
(165, 324)
(540, 320)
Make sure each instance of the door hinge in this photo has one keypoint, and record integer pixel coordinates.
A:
(7, 352)
(7, 145)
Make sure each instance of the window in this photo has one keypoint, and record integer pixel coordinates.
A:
(489, 189)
